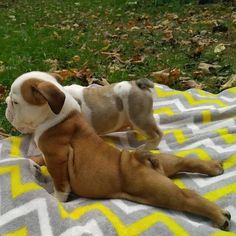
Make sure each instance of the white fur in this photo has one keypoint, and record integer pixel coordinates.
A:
(61, 196)
(27, 117)
(122, 89)
(77, 93)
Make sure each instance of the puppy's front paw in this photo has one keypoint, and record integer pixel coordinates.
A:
(61, 196)
(215, 168)
(225, 221)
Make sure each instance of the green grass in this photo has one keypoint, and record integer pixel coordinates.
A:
(32, 32)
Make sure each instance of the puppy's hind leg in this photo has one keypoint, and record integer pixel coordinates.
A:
(173, 164)
(158, 190)
(148, 159)
(149, 129)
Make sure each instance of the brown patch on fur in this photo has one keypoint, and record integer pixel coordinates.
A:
(104, 114)
(38, 92)
(30, 93)
(119, 104)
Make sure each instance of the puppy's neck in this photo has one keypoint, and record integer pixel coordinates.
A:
(69, 106)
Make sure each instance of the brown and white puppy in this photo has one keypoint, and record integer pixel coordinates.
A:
(120, 105)
(80, 161)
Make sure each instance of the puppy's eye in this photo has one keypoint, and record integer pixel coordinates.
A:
(15, 103)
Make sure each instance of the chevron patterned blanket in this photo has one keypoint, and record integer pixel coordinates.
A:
(196, 124)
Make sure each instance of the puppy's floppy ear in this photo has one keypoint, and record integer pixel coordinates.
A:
(53, 95)
(38, 92)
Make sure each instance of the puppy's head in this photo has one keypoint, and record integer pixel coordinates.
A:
(33, 97)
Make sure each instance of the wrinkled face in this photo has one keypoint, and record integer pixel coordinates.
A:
(32, 100)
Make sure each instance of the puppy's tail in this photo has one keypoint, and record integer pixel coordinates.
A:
(71, 169)
(144, 83)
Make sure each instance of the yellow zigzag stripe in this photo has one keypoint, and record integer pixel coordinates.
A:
(15, 146)
(219, 193)
(205, 93)
(178, 133)
(17, 188)
(232, 90)
(122, 229)
(19, 232)
(230, 162)
(224, 233)
(192, 101)
(226, 136)
(179, 183)
(164, 110)
(201, 154)
(206, 116)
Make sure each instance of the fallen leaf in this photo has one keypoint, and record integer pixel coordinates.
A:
(175, 73)
(53, 64)
(3, 134)
(83, 74)
(167, 35)
(229, 83)
(192, 84)
(2, 92)
(207, 68)
(65, 74)
(171, 16)
(56, 35)
(198, 52)
(219, 48)
(166, 76)
(162, 76)
(137, 59)
(76, 58)
(198, 73)
(138, 44)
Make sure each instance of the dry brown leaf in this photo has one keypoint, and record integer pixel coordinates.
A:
(206, 68)
(2, 92)
(3, 134)
(76, 58)
(175, 73)
(138, 44)
(56, 35)
(53, 63)
(162, 76)
(84, 74)
(167, 35)
(65, 74)
(192, 84)
(137, 59)
(198, 51)
(198, 74)
(166, 76)
(229, 83)
(171, 16)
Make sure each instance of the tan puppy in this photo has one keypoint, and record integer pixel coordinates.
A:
(120, 105)
(80, 161)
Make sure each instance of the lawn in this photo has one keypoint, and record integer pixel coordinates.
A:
(118, 40)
